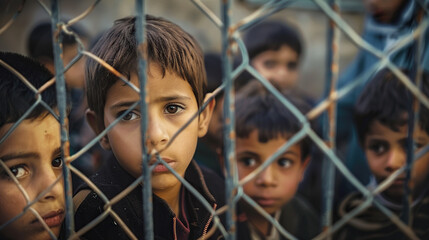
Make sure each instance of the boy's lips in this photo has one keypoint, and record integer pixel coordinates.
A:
(53, 218)
(159, 168)
(265, 202)
(399, 182)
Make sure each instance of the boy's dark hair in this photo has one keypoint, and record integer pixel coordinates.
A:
(39, 43)
(166, 44)
(213, 66)
(258, 109)
(271, 35)
(386, 99)
(15, 97)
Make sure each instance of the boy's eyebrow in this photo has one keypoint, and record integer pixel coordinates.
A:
(172, 98)
(248, 153)
(122, 104)
(421, 138)
(291, 152)
(56, 152)
(11, 156)
(160, 99)
(255, 154)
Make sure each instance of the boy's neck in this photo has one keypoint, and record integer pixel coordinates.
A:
(171, 196)
(259, 222)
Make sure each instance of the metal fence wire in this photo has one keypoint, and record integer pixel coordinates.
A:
(231, 42)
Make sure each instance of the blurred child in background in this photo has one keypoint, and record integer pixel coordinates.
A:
(382, 118)
(263, 125)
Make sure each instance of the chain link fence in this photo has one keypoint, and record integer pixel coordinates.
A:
(231, 43)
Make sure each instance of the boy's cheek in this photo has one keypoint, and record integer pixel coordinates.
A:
(420, 173)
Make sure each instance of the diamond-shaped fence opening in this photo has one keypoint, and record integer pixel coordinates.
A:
(223, 218)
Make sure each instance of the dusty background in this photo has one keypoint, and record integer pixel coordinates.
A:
(305, 15)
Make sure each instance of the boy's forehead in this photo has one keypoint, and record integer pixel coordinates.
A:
(40, 135)
(254, 138)
(158, 86)
(379, 127)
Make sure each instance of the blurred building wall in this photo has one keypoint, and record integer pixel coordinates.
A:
(311, 22)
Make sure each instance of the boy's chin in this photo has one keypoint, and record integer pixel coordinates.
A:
(395, 195)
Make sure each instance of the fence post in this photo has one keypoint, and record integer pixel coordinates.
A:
(62, 108)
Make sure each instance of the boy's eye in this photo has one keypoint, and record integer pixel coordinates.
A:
(292, 65)
(378, 147)
(248, 161)
(19, 171)
(173, 109)
(417, 146)
(57, 162)
(284, 162)
(269, 64)
(130, 116)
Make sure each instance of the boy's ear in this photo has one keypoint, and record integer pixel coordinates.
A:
(48, 63)
(205, 116)
(304, 166)
(91, 117)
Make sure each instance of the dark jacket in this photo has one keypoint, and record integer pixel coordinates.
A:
(113, 179)
(297, 217)
(375, 225)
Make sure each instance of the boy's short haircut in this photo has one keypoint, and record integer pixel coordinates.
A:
(271, 35)
(39, 42)
(386, 99)
(258, 109)
(15, 97)
(213, 66)
(167, 44)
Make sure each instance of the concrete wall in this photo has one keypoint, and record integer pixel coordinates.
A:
(311, 21)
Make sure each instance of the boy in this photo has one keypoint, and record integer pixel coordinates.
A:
(381, 117)
(386, 22)
(209, 148)
(176, 90)
(263, 124)
(39, 47)
(32, 154)
(274, 50)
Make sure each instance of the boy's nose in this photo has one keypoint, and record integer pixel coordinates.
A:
(47, 178)
(266, 178)
(156, 133)
(396, 159)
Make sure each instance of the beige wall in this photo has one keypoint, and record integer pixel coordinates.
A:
(312, 23)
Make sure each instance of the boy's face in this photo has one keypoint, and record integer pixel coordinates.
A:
(383, 11)
(215, 129)
(171, 104)
(277, 183)
(280, 66)
(32, 153)
(75, 76)
(386, 149)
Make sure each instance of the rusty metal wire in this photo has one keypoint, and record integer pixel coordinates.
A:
(231, 43)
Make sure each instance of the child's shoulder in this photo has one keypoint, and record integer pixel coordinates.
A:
(207, 182)
(299, 218)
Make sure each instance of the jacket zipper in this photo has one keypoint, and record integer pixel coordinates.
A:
(208, 223)
(174, 227)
